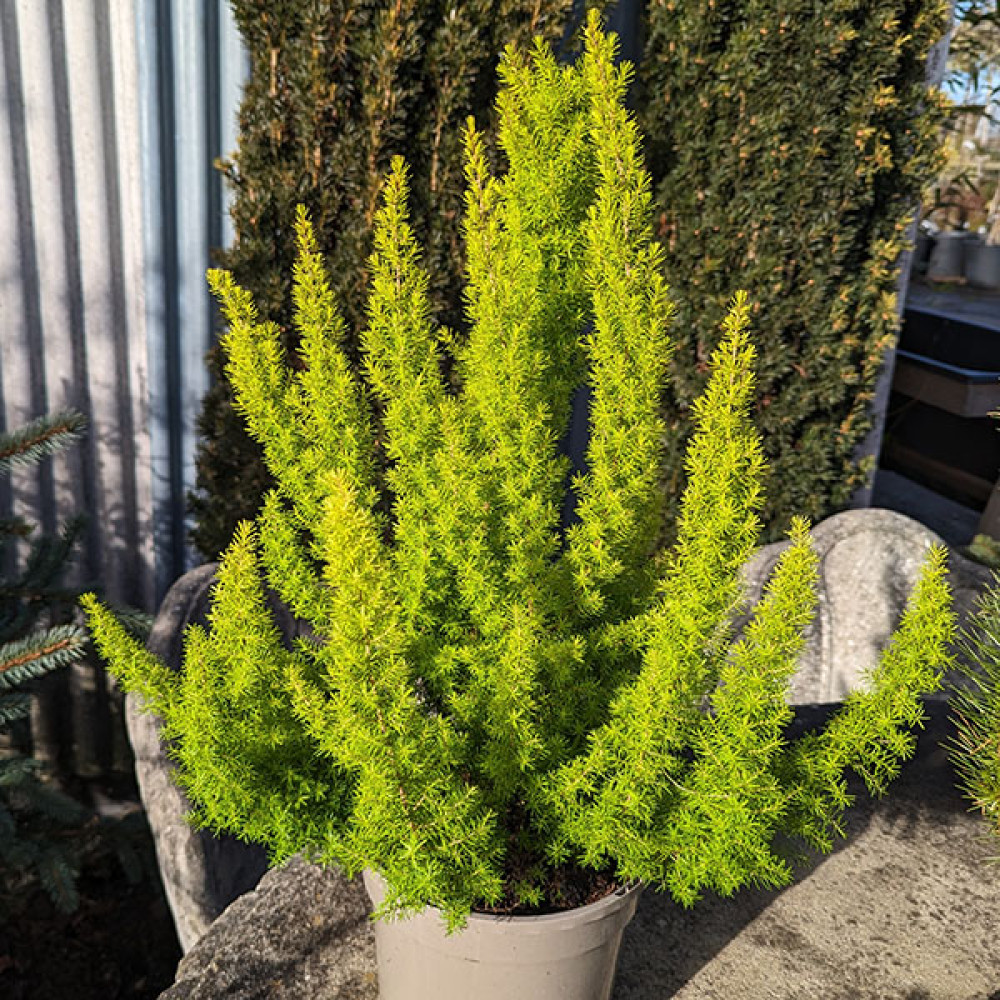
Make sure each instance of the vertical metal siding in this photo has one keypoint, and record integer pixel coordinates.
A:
(111, 113)
(191, 69)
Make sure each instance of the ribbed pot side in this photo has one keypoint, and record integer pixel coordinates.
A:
(560, 956)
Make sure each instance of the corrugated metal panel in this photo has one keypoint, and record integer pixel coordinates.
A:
(191, 67)
(111, 112)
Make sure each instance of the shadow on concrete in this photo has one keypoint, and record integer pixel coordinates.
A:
(668, 945)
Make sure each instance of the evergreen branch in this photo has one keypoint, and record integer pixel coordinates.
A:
(261, 384)
(136, 669)
(326, 395)
(499, 706)
(50, 803)
(22, 606)
(975, 708)
(250, 640)
(719, 834)
(35, 655)
(619, 498)
(607, 797)
(355, 564)
(871, 734)
(409, 796)
(402, 361)
(59, 877)
(138, 624)
(526, 302)
(244, 760)
(18, 771)
(718, 525)
(290, 571)
(395, 38)
(401, 355)
(13, 707)
(44, 436)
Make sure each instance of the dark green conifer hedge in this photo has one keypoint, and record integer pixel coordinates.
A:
(35, 640)
(789, 142)
(338, 87)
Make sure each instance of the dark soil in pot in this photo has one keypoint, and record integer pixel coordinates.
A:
(568, 887)
(564, 887)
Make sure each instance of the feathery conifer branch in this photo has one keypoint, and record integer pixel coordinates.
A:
(31, 813)
(43, 436)
(975, 750)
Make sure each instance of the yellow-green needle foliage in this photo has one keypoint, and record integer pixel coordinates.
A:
(976, 709)
(486, 693)
(872, 733)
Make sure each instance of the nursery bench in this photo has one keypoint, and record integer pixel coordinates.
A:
(949, 358)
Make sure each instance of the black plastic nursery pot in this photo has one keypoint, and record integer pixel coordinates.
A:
(570, 955)
(947, 259)
(982, 264)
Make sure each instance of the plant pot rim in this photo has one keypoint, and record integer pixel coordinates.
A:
(577, 914)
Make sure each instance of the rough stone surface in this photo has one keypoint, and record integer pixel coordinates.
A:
(303, 932)
(905, 908)
(202, 874)
(869, 562)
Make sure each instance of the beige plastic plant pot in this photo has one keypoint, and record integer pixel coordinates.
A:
(560, 956)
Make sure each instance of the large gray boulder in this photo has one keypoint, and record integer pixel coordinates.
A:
(905, 907)
(303, 932)
(869, 561)
(202, 873)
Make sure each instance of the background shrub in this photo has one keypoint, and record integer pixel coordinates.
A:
(789, 143)
(336, 89)
(35, 639)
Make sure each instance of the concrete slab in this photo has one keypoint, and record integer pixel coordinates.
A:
(907, 907)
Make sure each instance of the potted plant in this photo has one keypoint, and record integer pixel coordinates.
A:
(974, 80)
(508, 721)
(947, 258)
(949, 215)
